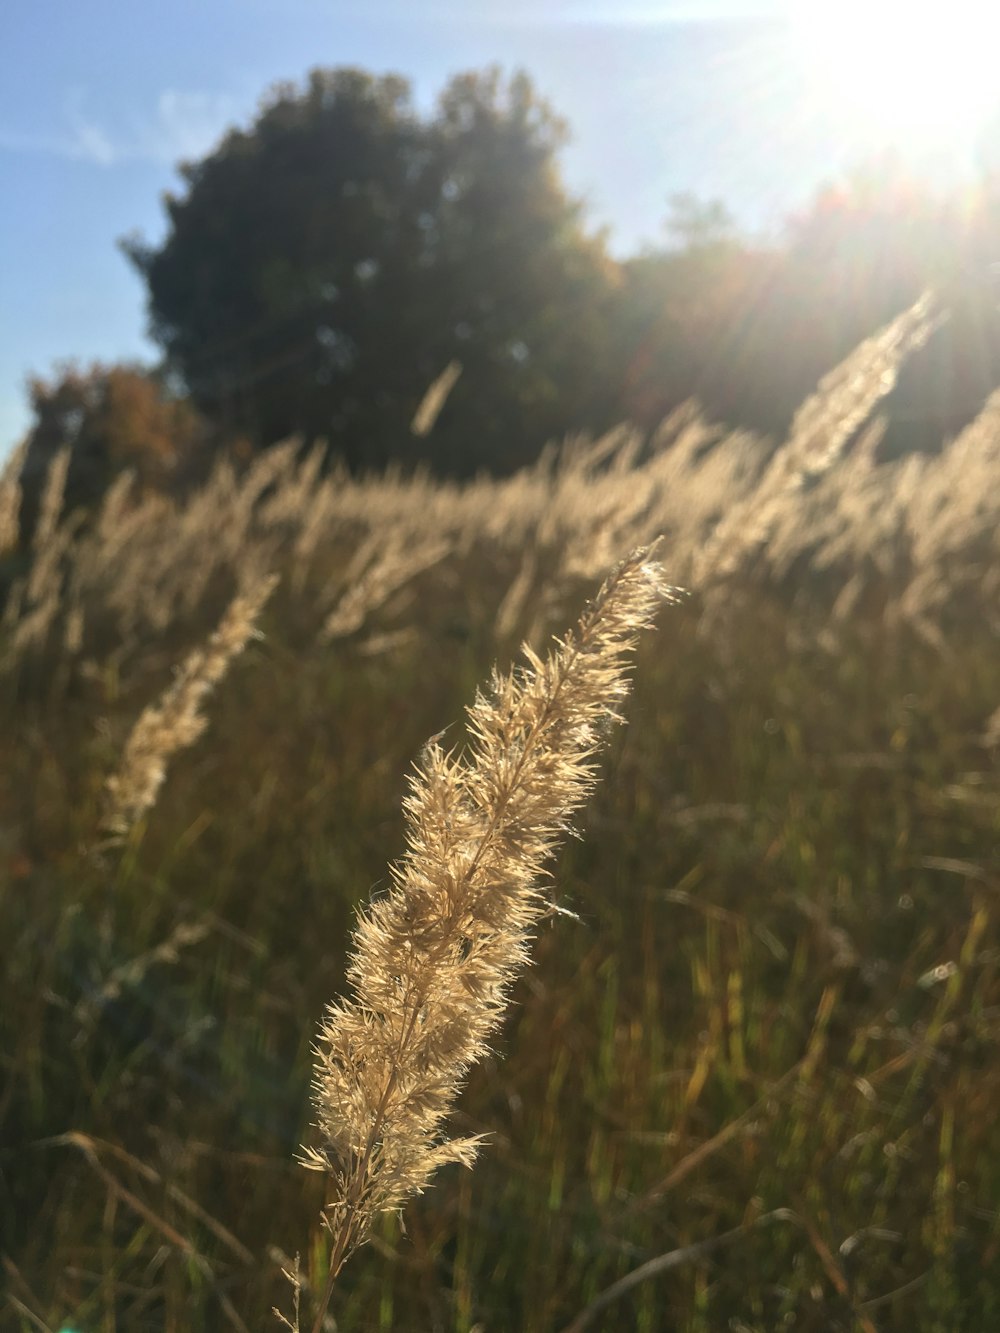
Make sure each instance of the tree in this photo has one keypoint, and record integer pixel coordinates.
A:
(684, 312)
(863, 251)
(700, 225)
(750, 332)
(322, 267)
(112, 418)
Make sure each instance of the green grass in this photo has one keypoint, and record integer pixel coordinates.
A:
(787, 842)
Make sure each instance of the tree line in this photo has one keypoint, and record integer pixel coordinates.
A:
(322, 267)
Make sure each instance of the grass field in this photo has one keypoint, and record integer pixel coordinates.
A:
(767, 1046)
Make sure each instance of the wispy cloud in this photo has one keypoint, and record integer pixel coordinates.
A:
(186, 124)
(601, 13)
(181, 125)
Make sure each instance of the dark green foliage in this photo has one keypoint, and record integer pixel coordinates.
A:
(324, 266)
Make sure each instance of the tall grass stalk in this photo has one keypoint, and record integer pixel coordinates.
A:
(175, 720)
(433, 960)
(10, 499)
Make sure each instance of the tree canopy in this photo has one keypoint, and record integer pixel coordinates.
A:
(325, 265)
(112, 418)
(750, 329)
(322, 267)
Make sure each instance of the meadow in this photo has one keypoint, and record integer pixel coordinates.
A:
(752, 1072)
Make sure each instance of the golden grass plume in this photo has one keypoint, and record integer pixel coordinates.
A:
(175, 721)
(433, 401)
(433, 960)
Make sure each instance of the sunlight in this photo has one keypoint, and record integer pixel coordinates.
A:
(907, 68)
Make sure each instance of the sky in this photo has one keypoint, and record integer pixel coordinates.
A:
(99, 99)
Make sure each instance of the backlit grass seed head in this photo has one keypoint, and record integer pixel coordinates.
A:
(822, 429)
(432, 961)
(175, 721)
(10, 499)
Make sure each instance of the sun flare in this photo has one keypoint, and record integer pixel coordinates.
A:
(903, 67)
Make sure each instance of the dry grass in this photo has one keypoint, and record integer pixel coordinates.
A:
(732, 510)
(175, 721)
(781, 1002)
(433, 962)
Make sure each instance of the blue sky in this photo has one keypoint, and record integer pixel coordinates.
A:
(100, 98)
